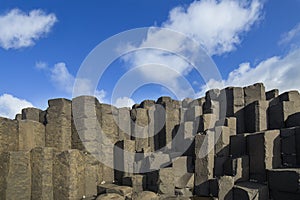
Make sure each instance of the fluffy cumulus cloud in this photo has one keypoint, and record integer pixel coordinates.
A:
(64, 81)
(10, 105)
(217, 25)
(275, 72)
(124, 102)
(19, 29)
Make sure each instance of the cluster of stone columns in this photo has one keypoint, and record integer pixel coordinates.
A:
(235, 143)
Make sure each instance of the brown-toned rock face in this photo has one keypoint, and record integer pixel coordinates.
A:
(233, 144)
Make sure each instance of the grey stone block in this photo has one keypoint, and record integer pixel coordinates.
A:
(256, 117)
(15, 176)
(285, 180)
(31, 134)
(238, 145)
(165, 182)
(124, 124)
(140, 128)
(225, 185)
(42, 160)
(9, 137)
(235, 104)
(183, 169)
(264, 153)
(193, 113)
(204, 163)
(58, 127)
(272, 94)
(249, 190)
(221, 140)
(69, 175)
(31, 114)
(238, 168)
(254, 92)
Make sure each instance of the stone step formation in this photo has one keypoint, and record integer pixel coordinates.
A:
(234, 144)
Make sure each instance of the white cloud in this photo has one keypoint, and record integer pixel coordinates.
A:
(61, 77)
(41, 65)
(217, 25)
(10, 105)
(64, 81)
(20, 29)
(100, 95)
(276, 72)
(292, 36)
(124, 102)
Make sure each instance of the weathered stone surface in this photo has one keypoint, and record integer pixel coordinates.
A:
(140, 128)
(235, 104)
(69, 175)
(9, 137)
(264, 153)
(183, 141)
(31, 134)
(249, 190)
(110, 196)
(147, 104)
(272, 94)
(288, 141)
(278, 195)
(15, 175)
(238, 168)
(183, 169)
(279, 113)
(124, 124)
(285, 180)
(230, 122)
(109, 122)
(91, 176)
(207, 121)
(254, 92)
(124, 191)
(58, 127)
(219, 165)
(102, 188)
(137, 182)
(31, 114)
(221, 140)
(172, 120)
(193, 113)
(184, 192)
(204, 163)
(290, 96)
(145, 195)
(165, 182)
(225, 185)
(238, 145)
(256, 117)
(42, 160)
(152, 162)
(18, 117)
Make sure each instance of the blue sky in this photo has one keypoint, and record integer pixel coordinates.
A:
(43, 44)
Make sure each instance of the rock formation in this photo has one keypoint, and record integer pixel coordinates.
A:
(233, 144)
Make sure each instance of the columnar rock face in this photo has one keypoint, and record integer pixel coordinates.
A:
(9, 137)
(31, 134)
(42, 172)
(15, 175)
(58, 127)
(68, 173)
(235, 143)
